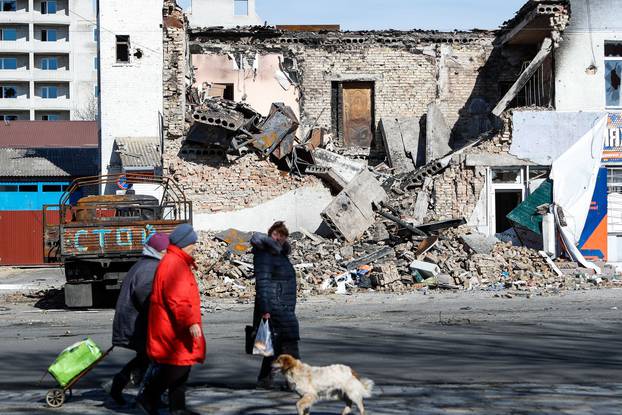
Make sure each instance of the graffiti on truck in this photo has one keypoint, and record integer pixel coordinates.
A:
(120, 237)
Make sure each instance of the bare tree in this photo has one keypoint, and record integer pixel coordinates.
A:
(90, 111)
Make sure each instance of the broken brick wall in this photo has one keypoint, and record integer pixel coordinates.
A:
(176, 69)
(409, 70)
(217, 184)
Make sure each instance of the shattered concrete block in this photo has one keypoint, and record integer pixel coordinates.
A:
(438, 134)
(328, 175)
(480, 243)
(344, 166)
(351, 213)
(427, 269)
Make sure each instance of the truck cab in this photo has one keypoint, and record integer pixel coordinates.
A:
(99, 237)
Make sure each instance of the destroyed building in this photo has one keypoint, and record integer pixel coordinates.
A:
(359, 138)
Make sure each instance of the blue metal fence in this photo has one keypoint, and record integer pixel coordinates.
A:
(30, 195)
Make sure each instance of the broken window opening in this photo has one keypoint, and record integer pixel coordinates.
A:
(225, 91)
(8, 92)
(613, 74)
(9, 5)
(123, 48)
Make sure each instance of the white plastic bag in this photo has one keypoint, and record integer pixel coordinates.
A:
(263, 340)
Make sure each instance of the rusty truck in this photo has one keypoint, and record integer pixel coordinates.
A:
(97, 238)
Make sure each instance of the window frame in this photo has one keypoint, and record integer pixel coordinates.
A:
(4, 88)
(50, 117)
(47, 35)
(3, 63)
(3, 3)
(47, 60)
(46, 9)
(3, 37)
(48, 89)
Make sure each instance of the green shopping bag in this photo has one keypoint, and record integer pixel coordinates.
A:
(73, 360)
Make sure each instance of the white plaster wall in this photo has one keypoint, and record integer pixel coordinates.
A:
(260, 89)
(299, 209)
(205, 13)
(131, 96)
(82, 55)
(575, 90)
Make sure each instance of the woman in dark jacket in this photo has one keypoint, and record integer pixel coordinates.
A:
(275, 299)
(129, 329)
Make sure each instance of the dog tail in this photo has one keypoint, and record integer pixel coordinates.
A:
(368, 385)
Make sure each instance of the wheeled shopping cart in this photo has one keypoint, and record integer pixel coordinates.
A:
(70, 366)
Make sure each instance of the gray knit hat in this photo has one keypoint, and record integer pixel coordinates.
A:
(183, 235)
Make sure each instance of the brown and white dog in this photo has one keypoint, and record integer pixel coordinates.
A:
(335, 382)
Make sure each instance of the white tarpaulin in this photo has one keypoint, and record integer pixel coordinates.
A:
(574, 176)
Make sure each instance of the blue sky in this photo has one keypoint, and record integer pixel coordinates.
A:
(389, 14)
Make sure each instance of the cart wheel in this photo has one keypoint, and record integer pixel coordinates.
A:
(55, 398)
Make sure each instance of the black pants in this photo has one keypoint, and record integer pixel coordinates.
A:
(168, 377)
(121, 379)
(284, 347)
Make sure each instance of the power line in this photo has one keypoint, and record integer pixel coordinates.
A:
(100, 27)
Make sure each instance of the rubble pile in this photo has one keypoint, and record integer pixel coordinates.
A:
(380, 262)
(391, 229)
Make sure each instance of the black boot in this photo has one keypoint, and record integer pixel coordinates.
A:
(116, 390)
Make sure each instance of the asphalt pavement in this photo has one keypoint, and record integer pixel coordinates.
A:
(433, 352)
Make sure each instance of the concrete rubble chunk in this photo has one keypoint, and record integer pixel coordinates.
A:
(351, 213)
(343, 166)
(438, 134)
(426, 269)
(394, 145)
(480, 243)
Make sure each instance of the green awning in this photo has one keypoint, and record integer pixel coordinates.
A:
(526, 214)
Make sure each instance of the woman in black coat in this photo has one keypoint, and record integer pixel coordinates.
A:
(275, 299)
(129, 328)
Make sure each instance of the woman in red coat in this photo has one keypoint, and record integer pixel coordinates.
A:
(175, 339)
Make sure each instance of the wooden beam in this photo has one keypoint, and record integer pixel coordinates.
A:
(543, 53)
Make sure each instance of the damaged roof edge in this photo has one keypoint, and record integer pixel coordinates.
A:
(527, 19)
(275, 32)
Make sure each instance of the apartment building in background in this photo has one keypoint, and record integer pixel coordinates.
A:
(48, 60)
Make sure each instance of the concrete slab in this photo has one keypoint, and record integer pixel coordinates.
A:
(300, 208)
(394, 146)
(438, 134)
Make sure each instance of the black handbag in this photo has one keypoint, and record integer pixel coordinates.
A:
(251, 333)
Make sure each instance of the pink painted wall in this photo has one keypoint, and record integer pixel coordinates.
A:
(261, 89)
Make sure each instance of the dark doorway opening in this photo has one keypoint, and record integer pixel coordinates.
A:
(505, 202)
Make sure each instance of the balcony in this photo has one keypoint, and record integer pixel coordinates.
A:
(60, 46)
(57, 75)
(51, 19)
(15, 75)
(16, 46)
(60, 104)
(21, 103)
(20, 16)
